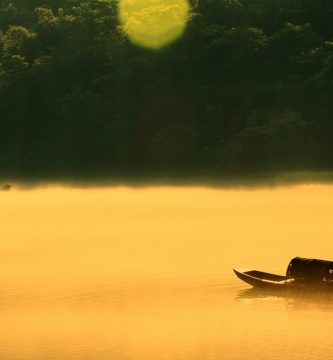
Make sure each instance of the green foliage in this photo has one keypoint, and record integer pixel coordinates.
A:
(17, 40)
(248, 87)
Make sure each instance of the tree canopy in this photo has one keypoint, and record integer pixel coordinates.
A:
(246, 87)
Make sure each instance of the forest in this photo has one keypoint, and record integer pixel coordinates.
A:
(246, 88)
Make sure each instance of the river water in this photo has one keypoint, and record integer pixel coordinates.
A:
(122, 273)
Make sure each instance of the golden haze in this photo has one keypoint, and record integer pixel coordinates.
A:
(130, 233)
(147, 273)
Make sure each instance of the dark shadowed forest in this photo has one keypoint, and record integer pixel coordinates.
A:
(247, 88)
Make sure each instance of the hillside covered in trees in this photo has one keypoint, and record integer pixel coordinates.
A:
(247, 87)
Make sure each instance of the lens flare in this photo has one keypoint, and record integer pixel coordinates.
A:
(153, 23)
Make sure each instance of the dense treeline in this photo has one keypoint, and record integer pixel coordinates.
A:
(248, 87)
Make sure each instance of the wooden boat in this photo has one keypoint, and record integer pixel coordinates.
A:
(302, 274)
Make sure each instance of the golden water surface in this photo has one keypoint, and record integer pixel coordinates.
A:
(147, 273)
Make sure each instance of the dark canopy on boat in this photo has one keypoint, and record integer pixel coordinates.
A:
(312, 270)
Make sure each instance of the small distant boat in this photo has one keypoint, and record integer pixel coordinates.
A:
(312, 274)
(7, 187)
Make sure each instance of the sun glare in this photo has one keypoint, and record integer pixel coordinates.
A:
(153, 23)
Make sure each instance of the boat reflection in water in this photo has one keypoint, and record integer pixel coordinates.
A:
(293, 300)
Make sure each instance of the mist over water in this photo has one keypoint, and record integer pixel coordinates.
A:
(120, 273)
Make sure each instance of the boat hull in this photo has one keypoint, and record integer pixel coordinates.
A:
(259, 279)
